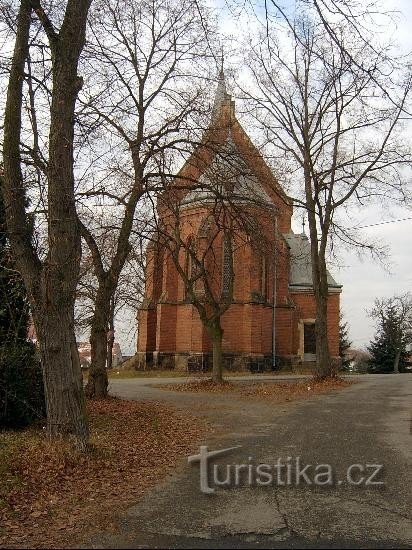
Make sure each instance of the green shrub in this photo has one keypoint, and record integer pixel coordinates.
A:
(21, 386)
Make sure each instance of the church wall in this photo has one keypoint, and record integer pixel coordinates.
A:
(306, 309)
(284, 331)
(333, 323)
(166, 327)
(171, 328)
(282, 260)
(174, 327)
(142, 343)
(147, 330)
(256, 338)
(185, 329)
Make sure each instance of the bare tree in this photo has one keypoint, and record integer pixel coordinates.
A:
(141, 61)
(334, 126)
(51, 282)
(129, 291)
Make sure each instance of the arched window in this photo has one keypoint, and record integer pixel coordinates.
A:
(227, 265)
(193, 267)
(205, 228)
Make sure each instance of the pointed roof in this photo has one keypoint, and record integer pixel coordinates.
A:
(301, 277)
(225, 130)
(230, 176)
(221, 94)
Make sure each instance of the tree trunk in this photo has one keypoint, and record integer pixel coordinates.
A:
(110, 342)
(216, 333)
(110, 339)
(51, 285)
(97, 383)
(317, 249)
(396, 362)
(323, 359)
(324, 365)
(63, 382)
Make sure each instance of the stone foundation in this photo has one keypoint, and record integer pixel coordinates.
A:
(143, 360)
(202, 362)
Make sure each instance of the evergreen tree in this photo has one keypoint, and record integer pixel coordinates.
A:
(344, 342)
(388, 349)
(21, 386)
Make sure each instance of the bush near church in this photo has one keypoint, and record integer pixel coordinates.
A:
(21, 384)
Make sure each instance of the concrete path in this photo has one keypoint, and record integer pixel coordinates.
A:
(368, 423)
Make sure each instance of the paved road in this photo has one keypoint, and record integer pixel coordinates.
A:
(368, 423)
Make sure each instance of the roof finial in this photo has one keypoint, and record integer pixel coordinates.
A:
(221, 92)
(222, 63)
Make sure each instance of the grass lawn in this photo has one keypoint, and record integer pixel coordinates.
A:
(52, 496)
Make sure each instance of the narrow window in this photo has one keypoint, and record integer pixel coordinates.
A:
(227, 266)
(190, 266)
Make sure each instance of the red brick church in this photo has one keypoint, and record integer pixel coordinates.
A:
(271, 319)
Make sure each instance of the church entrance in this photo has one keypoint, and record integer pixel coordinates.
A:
(309, 342)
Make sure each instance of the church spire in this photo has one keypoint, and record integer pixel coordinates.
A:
(221, 93)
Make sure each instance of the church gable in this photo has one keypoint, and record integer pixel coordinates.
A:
(226, 143)
(229, 175)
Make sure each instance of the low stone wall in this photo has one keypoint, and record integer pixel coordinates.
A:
(202, 362)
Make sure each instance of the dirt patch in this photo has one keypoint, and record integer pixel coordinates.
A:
(276, 391)
(52, 496)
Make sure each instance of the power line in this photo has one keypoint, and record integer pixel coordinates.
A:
(384, 223)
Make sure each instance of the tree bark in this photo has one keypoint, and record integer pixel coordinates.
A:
(110, 339)
(323, 359)
(216, 333)
(324, 364)
(110, 342)
(396, 362)
(97, 383)
(65, 404)
(108, 280)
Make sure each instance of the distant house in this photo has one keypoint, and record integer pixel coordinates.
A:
(358, 360)
(85, 354)
(117, 355)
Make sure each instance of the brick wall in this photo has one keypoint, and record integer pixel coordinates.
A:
(170, 325)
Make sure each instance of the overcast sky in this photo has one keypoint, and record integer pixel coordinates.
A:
(362, 279)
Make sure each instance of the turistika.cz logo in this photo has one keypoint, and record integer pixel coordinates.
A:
(289, 471)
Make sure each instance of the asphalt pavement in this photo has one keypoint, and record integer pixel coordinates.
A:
(332, 471)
